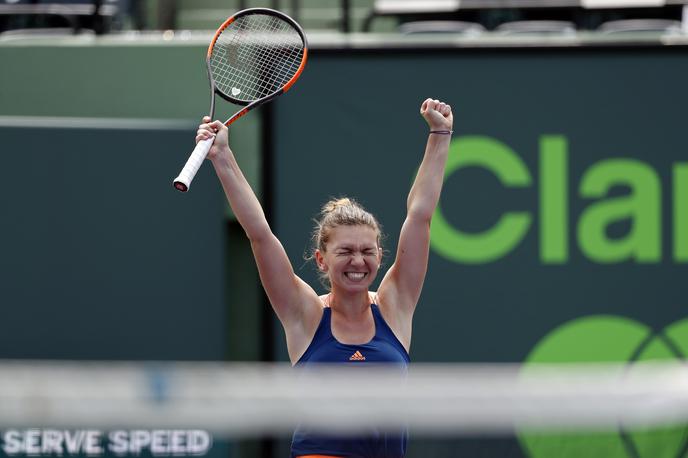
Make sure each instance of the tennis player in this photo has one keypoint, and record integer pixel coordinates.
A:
(350, 324)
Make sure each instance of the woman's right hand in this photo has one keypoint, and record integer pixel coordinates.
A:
(216, 129)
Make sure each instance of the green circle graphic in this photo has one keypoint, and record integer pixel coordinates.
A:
(611, 339)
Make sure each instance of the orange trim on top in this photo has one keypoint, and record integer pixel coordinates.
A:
(317, 456)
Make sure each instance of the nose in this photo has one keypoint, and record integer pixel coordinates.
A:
(357, 259)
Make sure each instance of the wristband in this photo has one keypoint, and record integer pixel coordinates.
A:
(443, 132)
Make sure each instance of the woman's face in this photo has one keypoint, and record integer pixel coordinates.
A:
(351, 258)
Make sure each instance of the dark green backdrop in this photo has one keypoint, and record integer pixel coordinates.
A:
(592, 115)
(366, 139)
(101, 259)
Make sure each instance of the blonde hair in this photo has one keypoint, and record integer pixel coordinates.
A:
(341, 211)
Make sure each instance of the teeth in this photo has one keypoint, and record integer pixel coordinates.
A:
(355, 275)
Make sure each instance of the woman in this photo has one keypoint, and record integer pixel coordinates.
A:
(349, 324)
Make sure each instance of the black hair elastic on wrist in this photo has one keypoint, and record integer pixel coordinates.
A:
(443, 132)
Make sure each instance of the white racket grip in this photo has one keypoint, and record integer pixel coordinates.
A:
(183, 181)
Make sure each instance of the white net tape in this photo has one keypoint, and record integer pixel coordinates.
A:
(253, 399)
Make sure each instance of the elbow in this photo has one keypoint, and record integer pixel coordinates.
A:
(422, 215)
(258, 234)
(422, 207)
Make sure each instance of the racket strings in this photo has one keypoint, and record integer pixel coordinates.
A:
(261, 77)
(255, 56)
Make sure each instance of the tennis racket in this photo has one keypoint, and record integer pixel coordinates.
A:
(254, 56)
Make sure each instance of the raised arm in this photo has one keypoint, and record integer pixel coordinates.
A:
(292, 299)
(401, 287)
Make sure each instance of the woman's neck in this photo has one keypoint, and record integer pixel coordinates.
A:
(349, 303)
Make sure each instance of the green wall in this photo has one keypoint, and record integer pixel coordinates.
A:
(565, 199)
(151, 92)
(564, 195)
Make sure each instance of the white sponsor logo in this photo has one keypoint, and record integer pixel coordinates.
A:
(158, 442)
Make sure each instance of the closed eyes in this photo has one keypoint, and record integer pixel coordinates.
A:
(366, 252)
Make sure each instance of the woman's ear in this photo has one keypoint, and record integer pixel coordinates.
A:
(320, 261)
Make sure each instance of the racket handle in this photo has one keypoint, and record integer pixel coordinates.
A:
(183, 181)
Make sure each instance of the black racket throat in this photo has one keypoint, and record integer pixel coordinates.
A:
(249, 105)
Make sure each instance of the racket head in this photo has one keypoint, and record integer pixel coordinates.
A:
(256, 55)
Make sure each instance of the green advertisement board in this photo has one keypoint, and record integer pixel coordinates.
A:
(101, 259)
(562, 229)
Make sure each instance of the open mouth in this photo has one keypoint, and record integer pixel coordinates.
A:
(355, 276)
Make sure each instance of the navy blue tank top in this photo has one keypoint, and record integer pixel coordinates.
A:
(384, 347)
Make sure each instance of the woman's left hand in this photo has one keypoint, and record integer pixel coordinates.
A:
(437, 114)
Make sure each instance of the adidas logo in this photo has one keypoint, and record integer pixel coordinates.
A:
(357, 356)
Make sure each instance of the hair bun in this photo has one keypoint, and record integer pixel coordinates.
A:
(334, 204)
